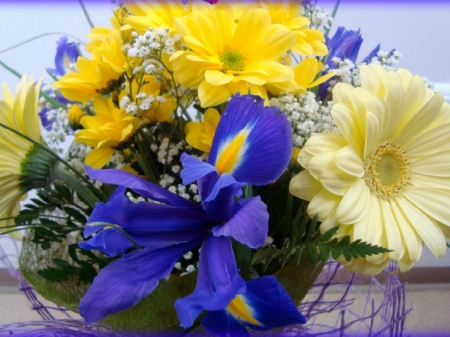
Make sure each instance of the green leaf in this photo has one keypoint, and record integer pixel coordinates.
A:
(75, 214)
(312, 250)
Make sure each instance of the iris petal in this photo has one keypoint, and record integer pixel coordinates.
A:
(148, 223)
(222, 323)
(218, 281)
(265, 305)
(140, 186)
(249, 224)
(250, 136)
(126, 281)
(220, 199)
(265, 294)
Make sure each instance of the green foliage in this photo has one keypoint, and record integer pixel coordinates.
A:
(83, 268)
(305, 236)
(54, 214)
(39, 215)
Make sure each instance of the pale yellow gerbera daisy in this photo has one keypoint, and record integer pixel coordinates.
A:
(18, 111)
(385, 179)
(226, 57)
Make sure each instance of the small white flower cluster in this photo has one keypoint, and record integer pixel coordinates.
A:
(76, 154)
(136, 198)
(319, 17)
(149, 47)
(386, 59)
(346, 71)
(167, 151)
(191, 266)
(306, 114)
(142, 104)
(167, 154)
(55, 134)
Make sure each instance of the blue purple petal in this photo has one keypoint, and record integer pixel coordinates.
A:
(140, 186)
(264, 149)
(249, 223)
(223, 324)
(148, 223)
(218, 205)
(271, 304)
(126, 281)
(218, 281)
(65, 53)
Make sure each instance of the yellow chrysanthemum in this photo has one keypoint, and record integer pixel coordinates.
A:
(309, 41)
(92, 79)
(227, 58)
(100, 74)
(154, 14)
(200, 134)
(386, 178)
(104, 131)
(19, 112)
(74, 115)
(305, 78)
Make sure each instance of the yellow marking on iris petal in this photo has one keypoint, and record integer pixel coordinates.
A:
(231, 153)
(241, 310)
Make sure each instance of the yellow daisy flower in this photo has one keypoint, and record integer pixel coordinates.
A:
(305, 78)
(154, 14)
(74, 115)
(92, 79)
(200, 134)
(104, 131)
(309, 41)
(386, 178)
(229, 57)
(18, 111)
(99, 75)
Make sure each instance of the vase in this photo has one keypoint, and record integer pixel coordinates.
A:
(156, 312)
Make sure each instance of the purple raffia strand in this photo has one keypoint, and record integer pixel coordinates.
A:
(36, 305)
(24, 286)
(384, 319)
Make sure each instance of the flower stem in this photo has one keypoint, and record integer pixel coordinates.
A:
(86, 14)
(59, 173)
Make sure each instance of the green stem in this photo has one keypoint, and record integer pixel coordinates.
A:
(59, 173)
(38, 37)
(118, 228)
(86, 14)
(333, 14)
(58, 158)
(55, 104)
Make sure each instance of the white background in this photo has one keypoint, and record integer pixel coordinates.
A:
(419, 30)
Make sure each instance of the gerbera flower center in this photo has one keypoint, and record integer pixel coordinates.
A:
(387, 170)
(232, 60)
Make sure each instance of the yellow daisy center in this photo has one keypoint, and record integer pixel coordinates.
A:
(232, 60)
(387, 170)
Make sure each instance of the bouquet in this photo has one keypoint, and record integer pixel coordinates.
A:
(224, 152)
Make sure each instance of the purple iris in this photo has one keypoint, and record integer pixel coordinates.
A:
(252, 145)
(66, 53)
(255, 309)
(344, 44)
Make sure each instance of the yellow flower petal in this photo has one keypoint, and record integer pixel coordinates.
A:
(425, 227)
(303, 185)
(354, 206)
